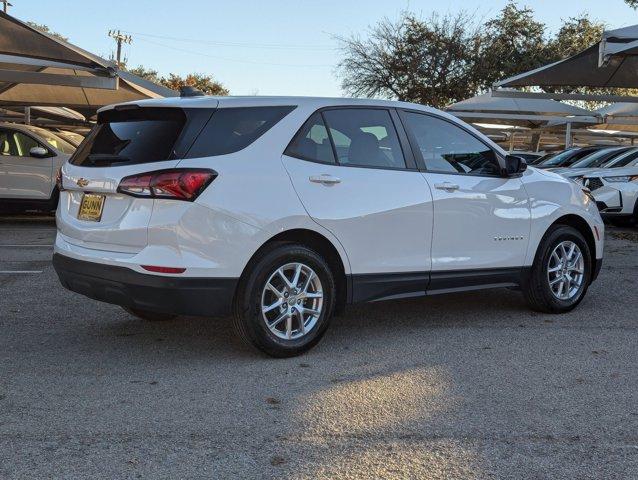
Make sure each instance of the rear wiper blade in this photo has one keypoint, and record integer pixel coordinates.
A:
(107, 157)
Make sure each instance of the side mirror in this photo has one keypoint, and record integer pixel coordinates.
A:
(39, 152)
(514, 165)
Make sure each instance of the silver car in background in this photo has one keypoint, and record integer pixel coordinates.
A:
(30, 159)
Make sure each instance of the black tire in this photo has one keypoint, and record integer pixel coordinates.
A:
(150, 316)
(536, 287)
(247, 311)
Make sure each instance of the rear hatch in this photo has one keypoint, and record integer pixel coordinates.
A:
(127, 140)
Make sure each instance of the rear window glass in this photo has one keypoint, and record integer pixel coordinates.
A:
(232, 129)
(139, 135)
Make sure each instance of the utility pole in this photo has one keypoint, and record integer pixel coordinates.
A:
(119, 38)
(6, 5)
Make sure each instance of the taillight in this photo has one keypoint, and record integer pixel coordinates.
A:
(178, 184)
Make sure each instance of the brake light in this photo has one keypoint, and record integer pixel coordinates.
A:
(178, 184)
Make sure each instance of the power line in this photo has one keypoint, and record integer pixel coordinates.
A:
(235, 59)
(236, 44)
(119, 38)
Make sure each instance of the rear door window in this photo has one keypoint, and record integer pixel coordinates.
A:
(232, 129)
(312, 142)
(364, 137)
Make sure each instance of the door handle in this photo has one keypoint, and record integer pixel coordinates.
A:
(447, 186)
(324, 179)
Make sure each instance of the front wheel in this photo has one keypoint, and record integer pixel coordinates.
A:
(285, 301)
(561, 272)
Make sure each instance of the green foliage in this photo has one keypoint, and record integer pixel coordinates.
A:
(205, 83)
(47, 30)
(427, 62)
(511, 43)
(443, 59)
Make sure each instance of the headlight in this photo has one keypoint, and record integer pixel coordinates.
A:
(621, 179)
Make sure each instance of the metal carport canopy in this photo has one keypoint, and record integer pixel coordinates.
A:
(518, 111)
(612, 62)
(37, 69)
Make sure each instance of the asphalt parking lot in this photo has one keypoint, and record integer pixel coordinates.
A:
(461, 386)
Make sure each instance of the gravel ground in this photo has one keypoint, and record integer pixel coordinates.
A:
(462, 386)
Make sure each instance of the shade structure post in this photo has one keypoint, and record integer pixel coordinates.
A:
(568, 134)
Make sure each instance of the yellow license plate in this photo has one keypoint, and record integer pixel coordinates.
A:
(91, 207)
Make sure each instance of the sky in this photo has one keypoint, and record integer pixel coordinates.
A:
(270, 47)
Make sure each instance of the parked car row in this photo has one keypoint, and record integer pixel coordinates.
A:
(610, 173)
(30, 159)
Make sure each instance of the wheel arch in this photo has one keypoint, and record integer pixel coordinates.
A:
(582, 226)
(317, 242)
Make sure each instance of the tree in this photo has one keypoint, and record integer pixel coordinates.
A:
(412, 60)
(47, 30)
(574, 36)
(205, 83)
(147, 74)
(512, 43)
(632, 3)
(202, 82)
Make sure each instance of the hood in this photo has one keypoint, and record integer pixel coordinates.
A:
(576, 172)
(612, 172)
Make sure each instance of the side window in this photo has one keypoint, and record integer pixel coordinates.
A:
(448, 148)
(230, 130)
(365, 137)
(24, 143)
(312, 142)
(7, 144)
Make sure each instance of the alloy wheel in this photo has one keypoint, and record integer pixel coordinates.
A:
(292, 301)
(566, 270)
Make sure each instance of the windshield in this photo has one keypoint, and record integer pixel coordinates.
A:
(622, 160)
(53, 140)
(596, 159)
(558, 159)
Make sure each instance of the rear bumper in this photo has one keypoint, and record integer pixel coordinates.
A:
(158, 293)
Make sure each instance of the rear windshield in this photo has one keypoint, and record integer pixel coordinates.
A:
(232, 129)
(137, 135)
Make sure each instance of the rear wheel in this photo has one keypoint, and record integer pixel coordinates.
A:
(285, 301)
(149, 316)
(561, 272)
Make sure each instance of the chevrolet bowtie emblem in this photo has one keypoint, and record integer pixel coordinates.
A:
(82, 182)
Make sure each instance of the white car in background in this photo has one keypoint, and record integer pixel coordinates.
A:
(30, 159)
(282, 210)
(604, 158)
(616, 193)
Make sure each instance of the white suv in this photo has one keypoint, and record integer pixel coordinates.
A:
(616, 193)
(282, 210)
